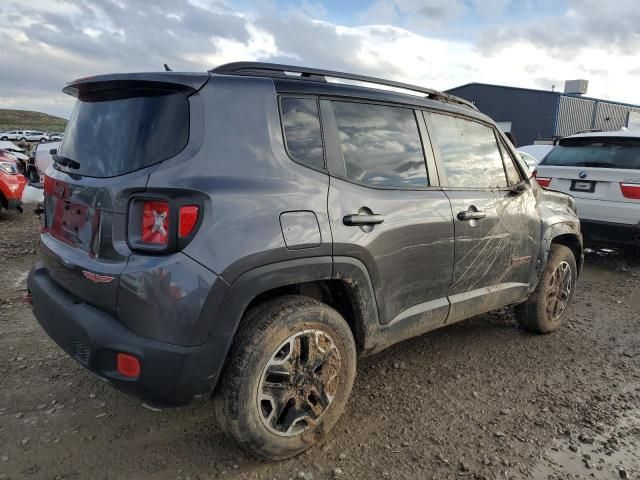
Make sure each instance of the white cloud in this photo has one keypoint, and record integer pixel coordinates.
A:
(45, 45)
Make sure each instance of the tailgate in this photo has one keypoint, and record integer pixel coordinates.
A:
(590, 183)
(83, 239)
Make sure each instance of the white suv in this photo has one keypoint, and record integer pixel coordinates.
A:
(25, 136)
(601, 170)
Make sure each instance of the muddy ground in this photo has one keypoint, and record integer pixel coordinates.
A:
(482, 399)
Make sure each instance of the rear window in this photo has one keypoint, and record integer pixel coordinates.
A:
(114, 136)
(301, 123)
(596, 152)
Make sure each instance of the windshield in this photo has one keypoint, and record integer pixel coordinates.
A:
(125, 132)
(603, 152)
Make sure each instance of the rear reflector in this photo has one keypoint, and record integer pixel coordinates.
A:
(155, 222)
(630, 190)
(128, 365)
(187, 220)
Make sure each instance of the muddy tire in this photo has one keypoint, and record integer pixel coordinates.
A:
(550, 303)
(288, 377)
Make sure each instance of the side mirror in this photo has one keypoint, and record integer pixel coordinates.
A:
(53, 151)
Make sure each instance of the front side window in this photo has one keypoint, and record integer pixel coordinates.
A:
(380, 145)
(513, 175)
(302, 134)
(469, 152)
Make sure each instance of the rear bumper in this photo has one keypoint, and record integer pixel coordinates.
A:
(170, 374)
(607, 211)
(609, 232)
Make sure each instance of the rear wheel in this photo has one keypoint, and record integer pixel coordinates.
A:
(288, 378)
(23, 139)
(548, 305)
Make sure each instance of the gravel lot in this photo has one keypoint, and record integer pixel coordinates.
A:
(481, 399)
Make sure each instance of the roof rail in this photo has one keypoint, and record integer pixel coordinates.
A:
(275, 69)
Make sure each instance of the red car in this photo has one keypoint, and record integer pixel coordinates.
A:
(12, 184)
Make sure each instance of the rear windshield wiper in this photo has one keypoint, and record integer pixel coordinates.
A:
(65, 161)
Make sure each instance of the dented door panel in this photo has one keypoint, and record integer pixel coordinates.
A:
(494, 255)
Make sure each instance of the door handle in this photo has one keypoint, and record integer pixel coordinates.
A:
(471, 215)
(360, 219)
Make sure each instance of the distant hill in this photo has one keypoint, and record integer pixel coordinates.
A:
(16, 119)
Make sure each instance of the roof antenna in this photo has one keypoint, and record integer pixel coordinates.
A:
(166, 68)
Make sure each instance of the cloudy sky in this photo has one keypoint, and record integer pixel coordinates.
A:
(435, 43)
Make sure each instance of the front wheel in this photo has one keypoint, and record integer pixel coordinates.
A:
(23, 139)
(547, 307)
(42, 140)
(288, 378)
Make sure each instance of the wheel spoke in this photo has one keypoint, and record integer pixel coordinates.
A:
(289, 415)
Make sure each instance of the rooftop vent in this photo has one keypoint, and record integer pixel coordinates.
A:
(576, 87)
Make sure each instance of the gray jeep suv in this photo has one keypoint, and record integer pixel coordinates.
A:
(246, 233)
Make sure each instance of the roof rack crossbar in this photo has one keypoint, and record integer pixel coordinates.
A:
(275, 69)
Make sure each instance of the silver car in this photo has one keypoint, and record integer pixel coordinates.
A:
(25, 136)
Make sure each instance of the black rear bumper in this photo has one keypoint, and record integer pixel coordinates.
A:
(170, 374)
(613, 233)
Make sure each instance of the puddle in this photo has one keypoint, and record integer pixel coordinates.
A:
(613, 454)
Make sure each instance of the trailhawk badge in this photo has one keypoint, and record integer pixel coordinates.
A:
(95, 278)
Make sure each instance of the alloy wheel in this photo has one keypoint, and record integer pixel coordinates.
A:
(559, 291)
(298, 383)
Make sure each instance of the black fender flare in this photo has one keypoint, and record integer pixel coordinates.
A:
(225, 315)
(550, 232)
(229, 312)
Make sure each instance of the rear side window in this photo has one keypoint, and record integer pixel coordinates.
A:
(302, 134)
(469, 152)
(603, 152)
(110, 137)
(380, 145)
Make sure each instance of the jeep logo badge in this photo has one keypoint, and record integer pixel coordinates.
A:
(582, 174)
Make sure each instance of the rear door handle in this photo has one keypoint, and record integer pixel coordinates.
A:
(471, 215)
(359, 220)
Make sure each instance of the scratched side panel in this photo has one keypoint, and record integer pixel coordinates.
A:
(494, 255)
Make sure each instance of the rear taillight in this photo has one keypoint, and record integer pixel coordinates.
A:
(155, 222)
(187, 220)
(163, 222)
(542, 181)
(630, 190)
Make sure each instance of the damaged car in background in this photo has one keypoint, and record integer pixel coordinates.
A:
(12, 183)
(269, 226)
